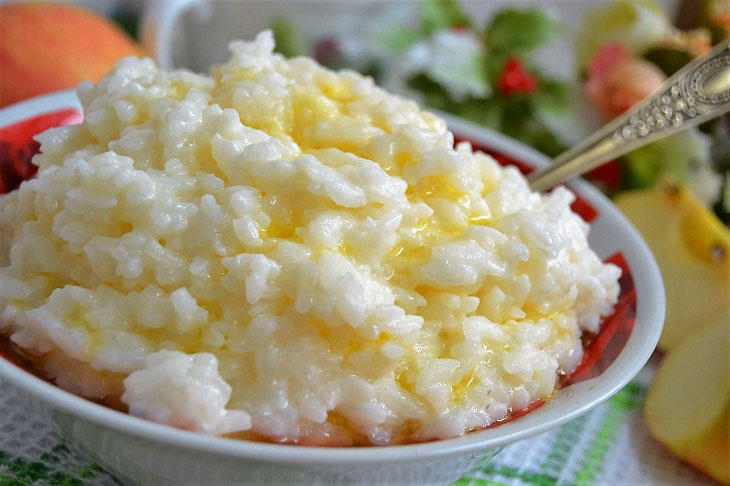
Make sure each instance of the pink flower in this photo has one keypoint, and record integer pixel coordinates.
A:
(616, 80)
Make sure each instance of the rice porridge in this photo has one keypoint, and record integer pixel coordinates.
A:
(281, 251)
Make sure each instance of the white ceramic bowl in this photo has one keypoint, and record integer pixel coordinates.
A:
(141, 452)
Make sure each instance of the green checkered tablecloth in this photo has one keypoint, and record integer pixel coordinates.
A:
(608, 446)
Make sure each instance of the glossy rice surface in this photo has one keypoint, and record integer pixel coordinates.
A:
(280, 251)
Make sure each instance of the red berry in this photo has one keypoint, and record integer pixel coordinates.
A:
(514, 80)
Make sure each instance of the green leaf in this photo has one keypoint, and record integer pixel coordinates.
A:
(519, 31)
(494, 66)
(400, 39)
(552, 96)
(672, 158)
(484, 111)
(373, 68)
(518, 110)
(668, 60)
(487, 112)
(433, 94)
(520, 120)
(641, 168)
(442, 14)
(539, 137)
(288, 40)
(517, 116)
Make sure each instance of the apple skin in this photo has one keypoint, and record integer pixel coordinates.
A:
(47, 47)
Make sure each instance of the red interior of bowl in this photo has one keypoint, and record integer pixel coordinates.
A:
(17, 148)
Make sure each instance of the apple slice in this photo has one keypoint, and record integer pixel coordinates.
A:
(689, 400)
(711, 452)
(692, 248)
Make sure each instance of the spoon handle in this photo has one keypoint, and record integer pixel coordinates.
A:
(696, 93)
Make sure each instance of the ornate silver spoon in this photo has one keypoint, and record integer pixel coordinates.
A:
(696, 93)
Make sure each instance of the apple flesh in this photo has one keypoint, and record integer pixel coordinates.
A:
(711, 452)
(47, 47)
(688, 404)
(692, 249)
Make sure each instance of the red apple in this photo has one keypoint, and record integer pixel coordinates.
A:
(46, 47)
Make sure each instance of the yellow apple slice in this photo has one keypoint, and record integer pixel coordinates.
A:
(692, 248)
(691, 390)
(711, 452)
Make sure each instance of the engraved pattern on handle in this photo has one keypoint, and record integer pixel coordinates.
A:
(698, 92)
(683, 100)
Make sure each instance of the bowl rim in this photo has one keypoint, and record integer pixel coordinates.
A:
(579, 398)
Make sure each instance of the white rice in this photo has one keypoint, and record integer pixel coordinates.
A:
(293, 252)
